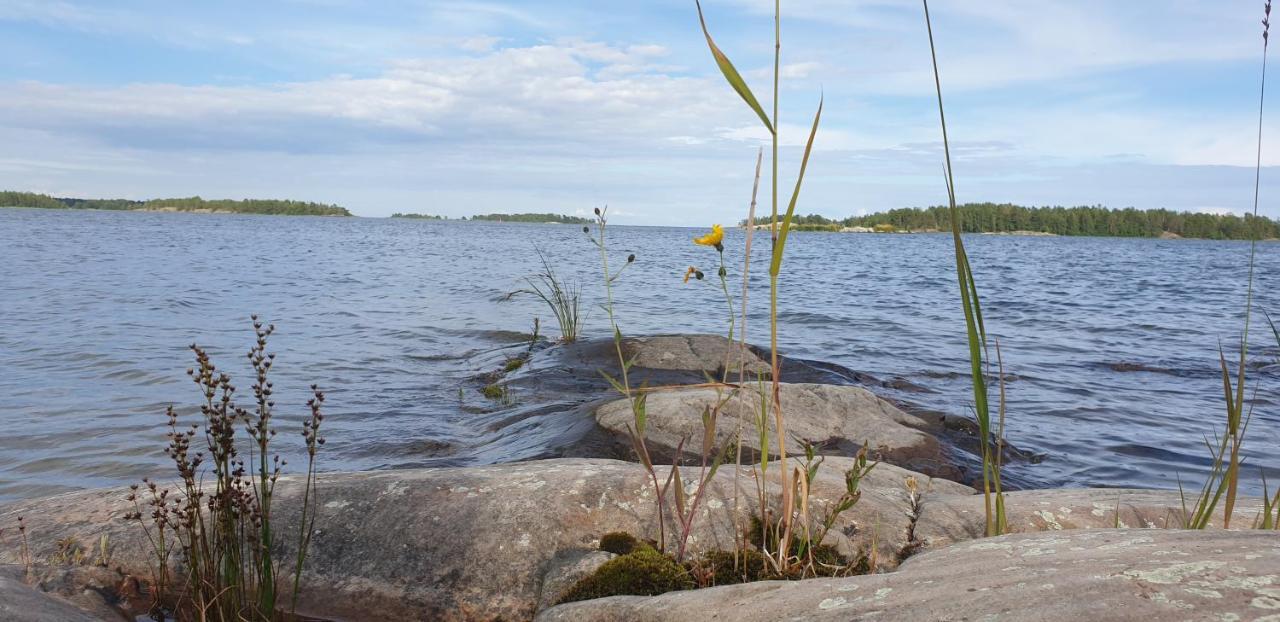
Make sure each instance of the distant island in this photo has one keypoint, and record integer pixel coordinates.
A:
(419, 216)
(544, 218)
(1090, 220)
(188, 204)
(536, 218)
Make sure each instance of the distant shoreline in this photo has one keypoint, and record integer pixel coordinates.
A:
(191, 205)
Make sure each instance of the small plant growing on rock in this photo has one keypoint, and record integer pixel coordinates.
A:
(562, 296)
(220, 520)
(622, 383)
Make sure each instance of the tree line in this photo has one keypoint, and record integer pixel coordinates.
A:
(186, 204)
(413, 216)
(1085, 220)
(557, 218)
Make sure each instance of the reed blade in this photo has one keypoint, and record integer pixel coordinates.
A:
(731, 74)
(775, 265)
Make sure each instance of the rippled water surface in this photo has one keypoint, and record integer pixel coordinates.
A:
(1110, 344)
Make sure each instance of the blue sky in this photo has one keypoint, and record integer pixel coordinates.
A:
(459, 107)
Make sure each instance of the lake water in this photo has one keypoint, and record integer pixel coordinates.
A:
(1111, 344)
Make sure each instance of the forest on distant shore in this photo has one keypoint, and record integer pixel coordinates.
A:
(1090, 220)
(188, 204)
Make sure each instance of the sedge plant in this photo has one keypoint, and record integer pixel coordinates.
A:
(560, 295)
(218, 524)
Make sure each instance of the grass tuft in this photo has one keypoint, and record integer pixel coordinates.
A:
(562, 296)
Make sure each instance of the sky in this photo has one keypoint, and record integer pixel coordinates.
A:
(460, 107)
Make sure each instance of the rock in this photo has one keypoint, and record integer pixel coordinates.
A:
(567, 569)
(840, 417)
(710, 354)
(481, 543)
(1100, 575)
(945, 519)
(20, 602)
(101, 592)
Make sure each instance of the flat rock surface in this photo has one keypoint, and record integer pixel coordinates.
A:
(480, 543)
(712, 354)
(945, 519)
(1098, 575)
(840, 417)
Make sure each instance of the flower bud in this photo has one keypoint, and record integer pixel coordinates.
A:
(631, 258)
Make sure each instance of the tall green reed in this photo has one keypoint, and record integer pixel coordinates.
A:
(779, 233)
(992, 491)
(1222, 483)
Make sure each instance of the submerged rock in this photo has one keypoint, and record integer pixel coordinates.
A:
(944, 520)
(483, 543)
(841, 418)
(1082, 575)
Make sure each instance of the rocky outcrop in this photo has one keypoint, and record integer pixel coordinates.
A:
(944, 520)
(484, 543)
(21, 601)
(841, 418)
(710, 354)
(1098, 575)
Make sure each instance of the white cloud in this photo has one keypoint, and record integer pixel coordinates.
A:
(479, 113)
(570, 94)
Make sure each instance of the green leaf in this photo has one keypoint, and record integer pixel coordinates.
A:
(614, 382)
(679, 490)
(731, 74)
(1274, 330)
(775, 266)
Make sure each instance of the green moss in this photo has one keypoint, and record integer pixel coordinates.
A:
(728, 568)
(513, 364)
(619, 543)
(493, 391)
(643, 572)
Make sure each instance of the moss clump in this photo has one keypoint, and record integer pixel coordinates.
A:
(728, 567)
(513, 364)
(642, 572)
(619, 543)
(493, 391)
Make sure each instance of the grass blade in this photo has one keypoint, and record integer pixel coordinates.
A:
(731, 74)
(775, 265)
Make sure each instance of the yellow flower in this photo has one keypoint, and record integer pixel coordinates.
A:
(711, 239)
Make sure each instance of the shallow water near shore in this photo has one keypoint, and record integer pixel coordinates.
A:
(1110, 344)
